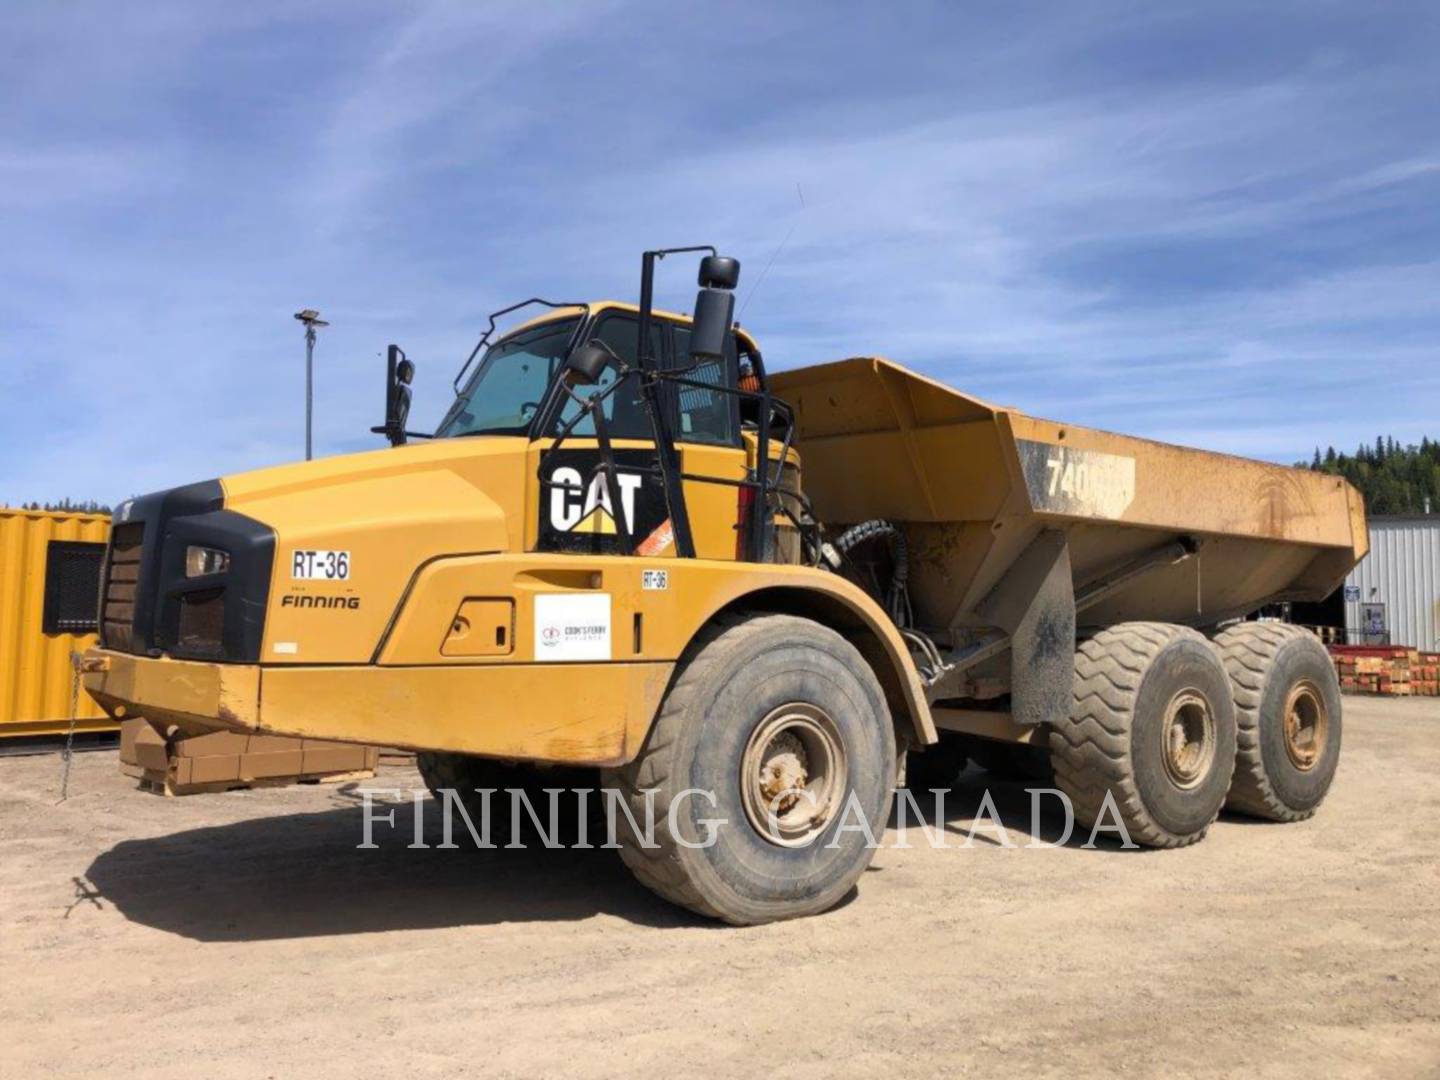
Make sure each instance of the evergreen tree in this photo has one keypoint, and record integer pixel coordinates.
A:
(1393, 478)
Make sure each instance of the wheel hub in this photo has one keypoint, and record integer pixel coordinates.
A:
(1189, 734)
(792, 775)
(1307, 725)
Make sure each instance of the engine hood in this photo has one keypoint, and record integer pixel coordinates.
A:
(388, 512)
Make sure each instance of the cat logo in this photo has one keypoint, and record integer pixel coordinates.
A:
(592, 513)
(576, 511)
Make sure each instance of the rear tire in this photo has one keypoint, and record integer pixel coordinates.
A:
(1287, 707)
(760, 697)
(1152, 724)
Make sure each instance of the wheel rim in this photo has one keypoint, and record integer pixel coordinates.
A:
(792, 777)
(1189, 739)
(1307, 725)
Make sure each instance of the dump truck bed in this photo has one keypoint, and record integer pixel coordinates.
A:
(975, 483)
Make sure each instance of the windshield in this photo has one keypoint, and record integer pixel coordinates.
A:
(509, 383)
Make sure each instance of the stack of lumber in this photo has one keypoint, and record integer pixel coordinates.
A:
(1393, 670)
(1425, 675)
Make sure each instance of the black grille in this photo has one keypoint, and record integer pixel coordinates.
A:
(150, 606)
(72, 587)
(117, 612)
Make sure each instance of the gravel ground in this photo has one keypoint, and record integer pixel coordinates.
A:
(243, 935)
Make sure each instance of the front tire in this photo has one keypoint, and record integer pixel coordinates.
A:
(762, 705)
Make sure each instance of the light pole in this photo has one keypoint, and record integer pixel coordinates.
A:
(311, 318)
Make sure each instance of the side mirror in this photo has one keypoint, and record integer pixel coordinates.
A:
(399, 374)
(714, 306)
(586, 363)
(719, 272)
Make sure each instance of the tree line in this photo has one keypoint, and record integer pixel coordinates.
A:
(1394, 479)
(67, 506)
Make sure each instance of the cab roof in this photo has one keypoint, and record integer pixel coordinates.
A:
(596, 306)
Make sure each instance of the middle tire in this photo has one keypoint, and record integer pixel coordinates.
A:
(1153, 724)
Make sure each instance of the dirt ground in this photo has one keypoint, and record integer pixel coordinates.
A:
(243, 935)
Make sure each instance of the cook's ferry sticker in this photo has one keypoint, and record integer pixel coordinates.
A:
(572, 626)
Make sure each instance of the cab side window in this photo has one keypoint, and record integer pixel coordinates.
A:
(705, 416)
(624, 409)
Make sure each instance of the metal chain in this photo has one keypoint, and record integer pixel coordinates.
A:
(68, 753)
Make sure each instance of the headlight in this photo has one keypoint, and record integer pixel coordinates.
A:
(204, 561)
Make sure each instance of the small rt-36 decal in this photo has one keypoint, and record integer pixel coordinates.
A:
(654, 580)
(312, 565)
(1067, 480)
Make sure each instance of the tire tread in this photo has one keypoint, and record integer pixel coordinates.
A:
(1248, 651)
(659, 766)
(1090, 751)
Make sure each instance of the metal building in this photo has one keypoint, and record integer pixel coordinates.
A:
(1393, 596)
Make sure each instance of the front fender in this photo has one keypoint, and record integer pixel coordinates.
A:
(651, 618)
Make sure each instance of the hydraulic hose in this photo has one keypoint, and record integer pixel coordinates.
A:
(897, 601)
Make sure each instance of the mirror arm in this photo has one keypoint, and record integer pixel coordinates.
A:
(669, 459)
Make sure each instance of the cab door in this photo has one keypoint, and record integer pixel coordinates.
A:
(569, 507)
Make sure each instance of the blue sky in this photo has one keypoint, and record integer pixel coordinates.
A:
(1214, 224)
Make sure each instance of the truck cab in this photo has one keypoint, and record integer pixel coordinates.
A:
(511, 390)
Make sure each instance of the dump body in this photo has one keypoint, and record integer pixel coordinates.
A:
(1026, 533)
(974, 484)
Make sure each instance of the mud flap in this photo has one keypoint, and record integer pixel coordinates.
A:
(1035, 604)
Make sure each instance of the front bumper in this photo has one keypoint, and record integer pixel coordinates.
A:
(584, 714)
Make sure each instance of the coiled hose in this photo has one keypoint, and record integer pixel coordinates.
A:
(897, 598)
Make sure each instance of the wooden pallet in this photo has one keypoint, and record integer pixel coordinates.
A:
(1387, 670)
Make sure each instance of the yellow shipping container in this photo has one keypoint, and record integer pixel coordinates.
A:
(47, 562)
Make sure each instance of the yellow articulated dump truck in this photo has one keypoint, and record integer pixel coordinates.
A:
(631, 555)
